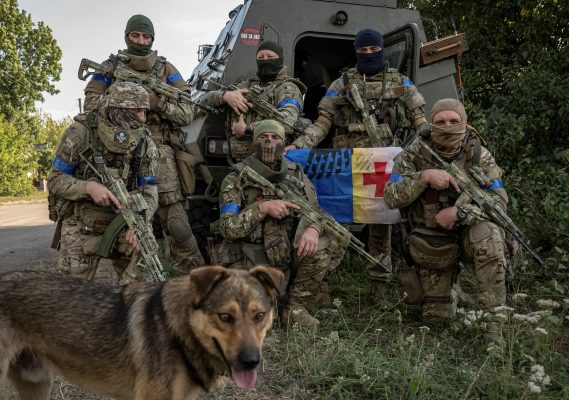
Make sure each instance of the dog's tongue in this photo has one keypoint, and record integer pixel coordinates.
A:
(244, 380)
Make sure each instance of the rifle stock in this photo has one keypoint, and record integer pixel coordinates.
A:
(123, 73)
(287, 190)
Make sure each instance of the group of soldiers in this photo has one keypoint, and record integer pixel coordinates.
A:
(134, 132)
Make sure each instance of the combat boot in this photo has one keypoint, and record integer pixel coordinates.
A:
(376, 295)
(298, 314)
(493, 332)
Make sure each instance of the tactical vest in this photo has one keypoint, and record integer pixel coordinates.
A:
(269, 94)
(381, 96)
(422, 212)
(125, 162)
(162, 130)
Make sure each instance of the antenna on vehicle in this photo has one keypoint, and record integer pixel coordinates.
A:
(453, 25)
(434, 27)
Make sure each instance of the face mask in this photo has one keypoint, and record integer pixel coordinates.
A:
(116, 139)
(370, 63)
(268, 69)
(137, 49)
(269, 151)
(448, 138)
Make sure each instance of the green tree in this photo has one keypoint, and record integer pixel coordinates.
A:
(46, 132)
(517, 96)
(16, 161)
(29, 60)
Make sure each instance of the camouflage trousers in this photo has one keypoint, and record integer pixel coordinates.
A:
(77, 254)
(484, 244)
(308, 287)
(172, 212)
(379, 244)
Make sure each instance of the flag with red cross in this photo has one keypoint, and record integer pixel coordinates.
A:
(349, 182)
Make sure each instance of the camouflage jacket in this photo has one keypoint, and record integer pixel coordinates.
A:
(420, 203)
(239, 207)
(171, 113)
(399, 104)
(284, 92)
(69, 173)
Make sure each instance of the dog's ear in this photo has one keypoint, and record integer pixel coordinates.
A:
(204, 279)
(272, 279)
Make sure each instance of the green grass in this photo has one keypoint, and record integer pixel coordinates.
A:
(35, 196)
(360, 352)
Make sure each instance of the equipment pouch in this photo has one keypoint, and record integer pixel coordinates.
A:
(94, 219)
(432, 250)
(186, 164)
(229, 252)
(58, 207)
(385, 134)
(254, 254)
(276, 243)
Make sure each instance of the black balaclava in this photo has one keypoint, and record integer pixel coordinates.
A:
(267, 70)
(369, 63)
(138, 23)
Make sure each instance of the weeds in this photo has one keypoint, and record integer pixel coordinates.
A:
(359, 352)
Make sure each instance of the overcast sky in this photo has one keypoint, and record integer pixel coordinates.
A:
(95, 29)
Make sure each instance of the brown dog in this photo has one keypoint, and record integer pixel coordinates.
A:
(141, 341)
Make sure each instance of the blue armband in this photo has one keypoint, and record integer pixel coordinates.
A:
(230, 208)
(173, 78)
(496, 184)
(295, 103)
(395, 178)
(63, 166)
(147, 180)
(102, 78)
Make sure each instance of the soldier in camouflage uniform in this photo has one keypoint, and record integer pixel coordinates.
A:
(115, 134)
(164, 117)
(258, 228)
(397, 106)
(445, 228)
(279, 89)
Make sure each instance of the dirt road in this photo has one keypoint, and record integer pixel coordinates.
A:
(25, 236)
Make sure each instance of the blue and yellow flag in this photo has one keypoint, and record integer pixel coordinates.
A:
(350, 182)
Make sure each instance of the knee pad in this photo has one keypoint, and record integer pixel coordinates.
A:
(179, 229)
(487, 242)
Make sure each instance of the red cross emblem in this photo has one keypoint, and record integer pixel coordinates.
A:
(379, 178)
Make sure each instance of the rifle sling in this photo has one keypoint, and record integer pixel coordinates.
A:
(110, 236)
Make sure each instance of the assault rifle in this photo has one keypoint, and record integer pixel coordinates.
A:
(262, 107)
(129, 215)
(376, 132)
(123, 73)
(472, 184)
(287, 190)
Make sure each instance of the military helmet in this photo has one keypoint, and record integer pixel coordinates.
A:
(127, 95)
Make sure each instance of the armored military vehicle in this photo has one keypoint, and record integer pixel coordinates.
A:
(317, 37)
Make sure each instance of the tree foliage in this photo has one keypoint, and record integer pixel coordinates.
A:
(29, 60)
(16, 161)
(517, 96)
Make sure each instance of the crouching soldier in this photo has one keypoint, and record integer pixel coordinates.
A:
(260, 228)
(114, 135)
(444, 232)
